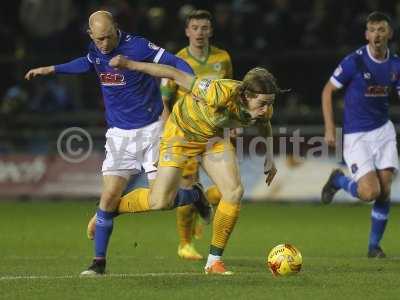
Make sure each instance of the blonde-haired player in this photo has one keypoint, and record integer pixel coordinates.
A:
(209, 62)
(195, 128)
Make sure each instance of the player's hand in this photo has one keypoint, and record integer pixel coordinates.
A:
(330, 137)
(235, 132)
(119, 62)
(42, 71)
(270, 170)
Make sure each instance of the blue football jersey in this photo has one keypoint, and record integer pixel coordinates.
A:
(367, 84)
(132, 99)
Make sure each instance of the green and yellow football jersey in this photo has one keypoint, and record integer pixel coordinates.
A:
(217, 65)
(210, 106)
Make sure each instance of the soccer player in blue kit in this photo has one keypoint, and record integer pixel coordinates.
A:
(133, 107)
(369, 146)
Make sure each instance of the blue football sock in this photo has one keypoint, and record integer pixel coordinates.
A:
(104, 227)
(379, 217)
(186, 196)
(346, 183)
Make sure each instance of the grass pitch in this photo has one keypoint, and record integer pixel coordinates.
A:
(43, 249)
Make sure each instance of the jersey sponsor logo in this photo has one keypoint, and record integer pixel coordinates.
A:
(377, 91)
(204, 85)
(338, 71)
(153, 46)
(112, 79)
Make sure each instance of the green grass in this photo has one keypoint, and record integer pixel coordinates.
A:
(47, 242)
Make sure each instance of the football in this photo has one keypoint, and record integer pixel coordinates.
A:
(284, 259)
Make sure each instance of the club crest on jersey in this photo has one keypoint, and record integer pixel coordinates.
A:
(97, 61)
(354, 168)
(217, 67)
(204, 85)
(167, 157)
(112, 79)
(153, 46)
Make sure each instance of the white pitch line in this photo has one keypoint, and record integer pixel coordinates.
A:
(115, 275)
(32, 277)
(16, 257)
(54, 257)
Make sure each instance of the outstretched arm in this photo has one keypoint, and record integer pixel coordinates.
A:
(42, 71)
(176, 62)
(185, 80)
(76, 66)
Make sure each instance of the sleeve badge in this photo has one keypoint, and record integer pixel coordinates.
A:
(153, 46)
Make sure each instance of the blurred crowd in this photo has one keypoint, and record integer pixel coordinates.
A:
(285, 35)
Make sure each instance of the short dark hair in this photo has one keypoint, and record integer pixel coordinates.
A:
(378, 16)
(198, 14)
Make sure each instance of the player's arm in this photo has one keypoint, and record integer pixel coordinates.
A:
(327, 111)
(168, 87)
(168, 90)
(183, 79)
(42, 71)
(166, 111)
(176, 62)
(146, 51)
(76, 66)
(342, 75)
(265, 130)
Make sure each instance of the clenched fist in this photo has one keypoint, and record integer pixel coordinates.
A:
(119, 62)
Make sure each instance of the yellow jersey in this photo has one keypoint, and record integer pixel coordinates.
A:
(217, 65)
(208, 108)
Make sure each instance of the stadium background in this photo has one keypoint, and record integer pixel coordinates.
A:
(300, 41)
(43, 245)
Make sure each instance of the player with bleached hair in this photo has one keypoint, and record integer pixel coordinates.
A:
(133, 107)
(195, 128)
(206, 61)
(368, 75)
